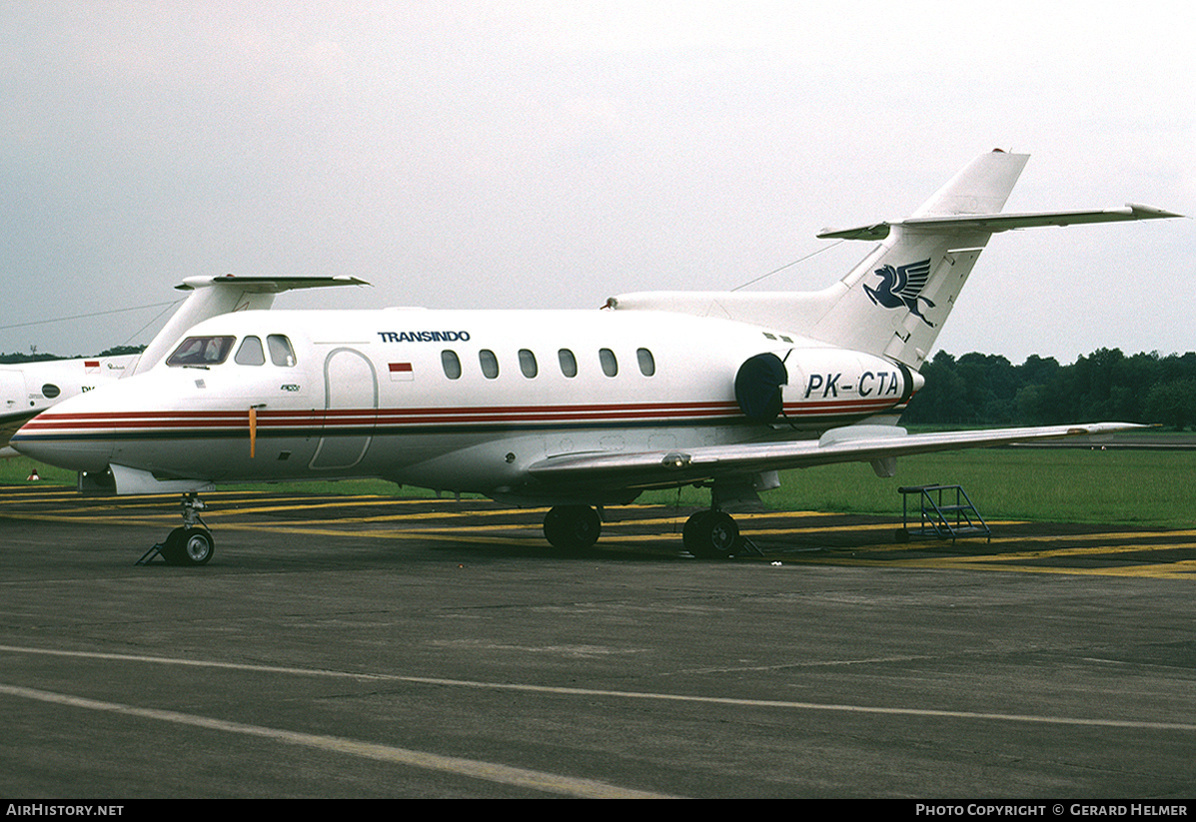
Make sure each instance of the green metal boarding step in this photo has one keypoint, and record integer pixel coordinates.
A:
(940, 517)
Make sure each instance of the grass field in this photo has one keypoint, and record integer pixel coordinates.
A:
(1046, 485)
(1129, 487)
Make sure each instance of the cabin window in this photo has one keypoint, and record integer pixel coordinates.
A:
(568, 362)
(527, 363)
(610, 365)
(281, 351)
(647, 361)
(489, 363)
(451, 364)
(250, 352)
(202, 351)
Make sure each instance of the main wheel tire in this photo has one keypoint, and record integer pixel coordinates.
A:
(572, 527)
(710, 535)
(188, 546)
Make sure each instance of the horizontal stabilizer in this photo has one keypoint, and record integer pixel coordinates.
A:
(266, 285)
(993, 223)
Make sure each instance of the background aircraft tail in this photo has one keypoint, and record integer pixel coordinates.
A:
(212, 296)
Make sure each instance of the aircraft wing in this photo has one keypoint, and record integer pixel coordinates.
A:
(860, 443)
(9, 423)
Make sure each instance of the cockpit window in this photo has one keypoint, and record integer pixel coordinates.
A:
(250, 352)
(202, 351)
(281, 351)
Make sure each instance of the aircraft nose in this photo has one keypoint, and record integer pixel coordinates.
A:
(64, 437)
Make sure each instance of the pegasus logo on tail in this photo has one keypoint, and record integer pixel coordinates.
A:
(902, 286)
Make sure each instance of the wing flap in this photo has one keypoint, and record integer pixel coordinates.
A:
(861, 443)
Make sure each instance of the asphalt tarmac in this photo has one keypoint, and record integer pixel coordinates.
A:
(370, 647)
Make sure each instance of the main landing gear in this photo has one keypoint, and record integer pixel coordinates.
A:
(190, 544)
(572, 527)
(709, 534)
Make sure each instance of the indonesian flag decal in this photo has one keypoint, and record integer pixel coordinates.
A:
(401, 372)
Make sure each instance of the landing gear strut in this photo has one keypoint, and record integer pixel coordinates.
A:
(190, 544)
(572, 527)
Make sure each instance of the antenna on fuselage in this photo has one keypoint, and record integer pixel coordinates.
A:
(787, 265)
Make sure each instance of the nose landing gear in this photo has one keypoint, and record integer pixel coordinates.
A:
(190, 544)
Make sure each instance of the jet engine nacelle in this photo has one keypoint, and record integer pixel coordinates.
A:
(820, 383)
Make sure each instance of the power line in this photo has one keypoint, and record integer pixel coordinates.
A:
(153, 320)
(87, 316)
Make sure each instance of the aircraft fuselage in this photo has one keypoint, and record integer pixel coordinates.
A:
(453, 400)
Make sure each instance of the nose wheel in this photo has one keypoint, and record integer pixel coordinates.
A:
(190, 544)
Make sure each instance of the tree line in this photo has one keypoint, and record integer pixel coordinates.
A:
(1106, 385)
(117, 351)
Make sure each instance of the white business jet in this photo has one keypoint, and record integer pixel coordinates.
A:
(568, 409)
(28, 389)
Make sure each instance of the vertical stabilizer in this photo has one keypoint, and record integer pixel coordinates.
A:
(980, 188)
(898, 298)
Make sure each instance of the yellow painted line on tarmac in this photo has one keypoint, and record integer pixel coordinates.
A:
(442, 525)
(988, 562)
(57, 492)
(1181, 570)
(443, 535)
(1095, 550)
(425, 515)
(124, 520)
(309, 506)
(135, 503)
(1104, 535)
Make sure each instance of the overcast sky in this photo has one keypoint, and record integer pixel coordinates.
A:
(551, 154)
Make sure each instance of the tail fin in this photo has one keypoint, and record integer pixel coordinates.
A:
(899, 296)
(895, 302)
